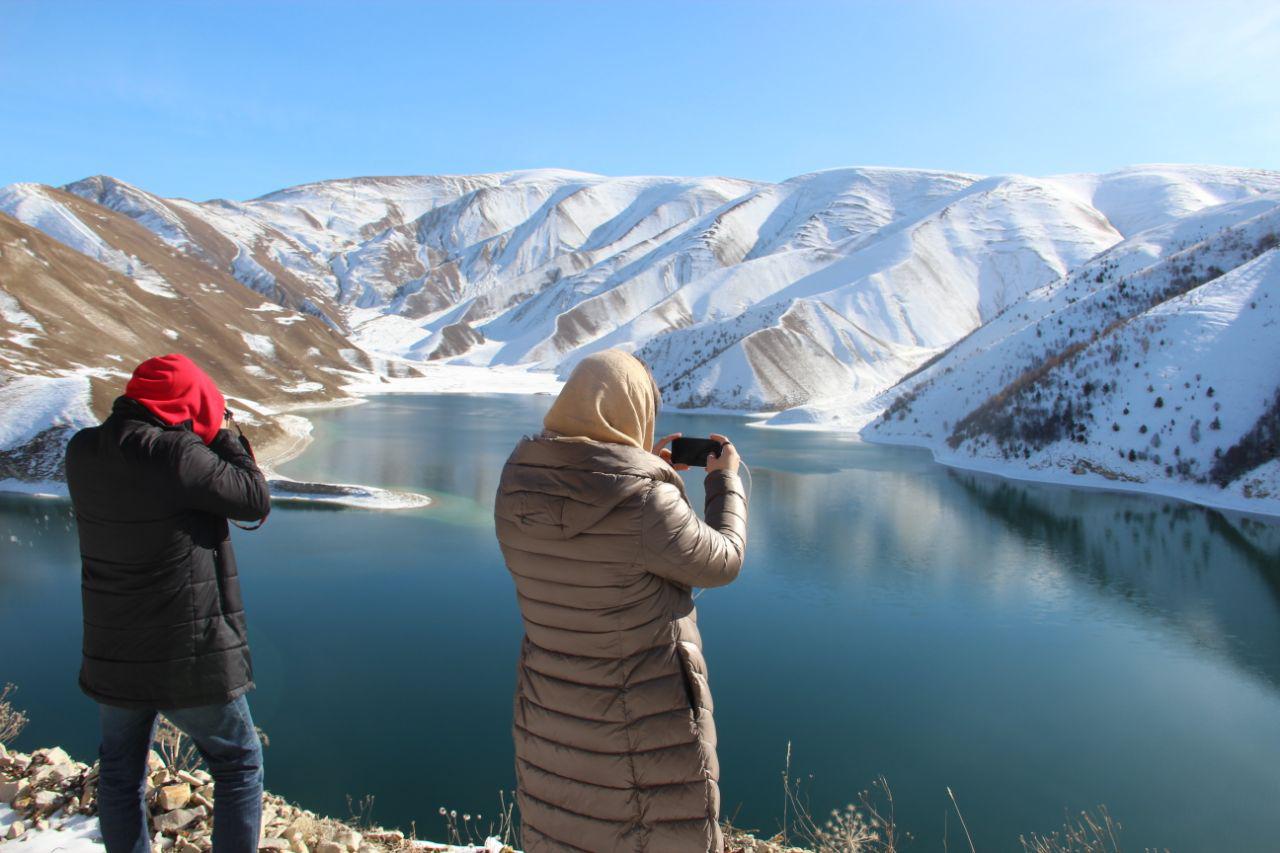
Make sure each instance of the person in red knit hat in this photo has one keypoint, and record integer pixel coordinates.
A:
(153, 488)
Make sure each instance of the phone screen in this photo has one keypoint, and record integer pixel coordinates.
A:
(693, 451)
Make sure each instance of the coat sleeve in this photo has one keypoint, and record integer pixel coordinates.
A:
(221, 479)
(681, 547)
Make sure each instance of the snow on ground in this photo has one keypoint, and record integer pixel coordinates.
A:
(80, 834)
(30, 405)
(261, 344)
(286, 491)
(283, 491)
(459, 379)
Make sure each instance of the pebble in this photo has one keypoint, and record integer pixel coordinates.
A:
(15, 829)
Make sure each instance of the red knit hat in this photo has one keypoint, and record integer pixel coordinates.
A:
(175, 390)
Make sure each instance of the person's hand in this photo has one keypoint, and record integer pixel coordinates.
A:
(660, 449)
(727, 460)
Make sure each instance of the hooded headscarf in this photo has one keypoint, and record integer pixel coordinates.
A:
(175, 390)
(609, 397)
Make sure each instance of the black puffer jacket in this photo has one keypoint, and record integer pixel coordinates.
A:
(164, 624)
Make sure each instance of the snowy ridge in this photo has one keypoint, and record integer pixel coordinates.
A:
(1152, 367)
(746, 296)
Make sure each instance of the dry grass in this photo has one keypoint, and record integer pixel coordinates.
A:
(466, 828)
(867, 826)
(175, 748)
(12, 721)
(1089, 833)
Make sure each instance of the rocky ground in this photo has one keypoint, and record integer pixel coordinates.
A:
(49, 792)
(53, 798)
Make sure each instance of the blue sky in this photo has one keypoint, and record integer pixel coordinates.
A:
(236, 99)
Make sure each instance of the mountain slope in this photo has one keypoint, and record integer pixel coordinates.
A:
(741, 295)
(74, 323)
(1153, 366)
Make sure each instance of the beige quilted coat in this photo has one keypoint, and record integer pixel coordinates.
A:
(615, 741)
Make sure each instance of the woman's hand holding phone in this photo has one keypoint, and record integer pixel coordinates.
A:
(728, 459)
(660, 449)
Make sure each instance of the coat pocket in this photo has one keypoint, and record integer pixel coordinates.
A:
(694, 670)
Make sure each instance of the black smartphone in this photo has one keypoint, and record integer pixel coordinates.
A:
(694, 451)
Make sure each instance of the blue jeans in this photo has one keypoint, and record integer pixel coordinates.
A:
(225, 736)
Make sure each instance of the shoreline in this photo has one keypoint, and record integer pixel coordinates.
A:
(467, 379)
(1092, 482)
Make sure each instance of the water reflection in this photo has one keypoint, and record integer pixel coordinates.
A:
(1193, 568)
(895, 617)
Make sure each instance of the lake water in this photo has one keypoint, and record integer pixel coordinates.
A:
(1040, 650)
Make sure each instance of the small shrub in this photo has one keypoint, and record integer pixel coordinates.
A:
(12, 721)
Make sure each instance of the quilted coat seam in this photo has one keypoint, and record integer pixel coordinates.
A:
(631, 752)
(640, 719)
(666, 675)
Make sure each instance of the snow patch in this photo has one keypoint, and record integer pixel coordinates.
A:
(30, 405)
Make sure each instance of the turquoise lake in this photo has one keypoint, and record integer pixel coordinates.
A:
(1040, 650)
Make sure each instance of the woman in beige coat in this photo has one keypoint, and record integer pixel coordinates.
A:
(615, 742)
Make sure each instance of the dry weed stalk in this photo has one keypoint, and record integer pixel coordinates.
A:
(176, 749)
(12, 721)
(466, 828)
(1088, 833)
(867, 826)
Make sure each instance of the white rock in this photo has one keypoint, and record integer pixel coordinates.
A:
(46, 801)
(53, 755)
(349, 838)
(15, 829)
(54, 773)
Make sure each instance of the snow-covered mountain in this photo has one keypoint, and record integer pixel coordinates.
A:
(1156, 365)
(742, 295)
(86, 294)
(816, 295)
